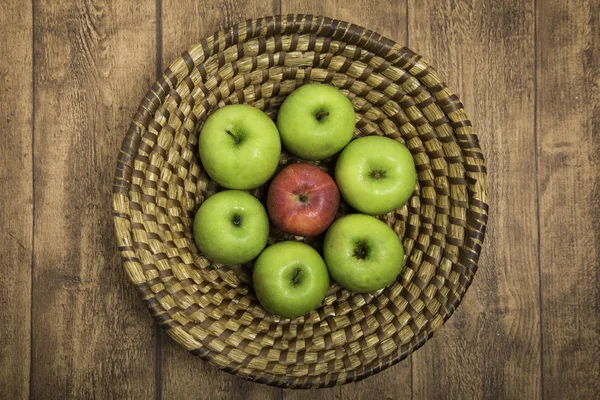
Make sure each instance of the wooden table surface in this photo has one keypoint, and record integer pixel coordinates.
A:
(73, 72)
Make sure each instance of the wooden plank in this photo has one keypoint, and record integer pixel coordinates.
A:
(491, 346)
(568, 131)
(184, 23)
(388, 19)
(16, 200)
(392, 383)
(92, 337)
(384, 17)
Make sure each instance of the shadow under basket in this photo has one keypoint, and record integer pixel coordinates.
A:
(211, 309)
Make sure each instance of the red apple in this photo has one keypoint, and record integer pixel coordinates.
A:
(302, 200)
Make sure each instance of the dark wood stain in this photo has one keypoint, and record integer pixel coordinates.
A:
(73, 73)
(16, 198)
(491, 347)
(92, 337)
(568, 106)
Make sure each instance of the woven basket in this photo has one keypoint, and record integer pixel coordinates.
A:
(211, 309)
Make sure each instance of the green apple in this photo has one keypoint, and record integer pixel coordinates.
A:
(290, 279)
(231, 227)
(239, 147)
(362, 253)
(375, 174)
(315, 121)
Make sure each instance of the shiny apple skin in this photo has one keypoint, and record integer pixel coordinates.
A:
(302, 200)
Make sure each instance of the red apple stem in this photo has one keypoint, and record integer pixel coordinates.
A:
(302, 197)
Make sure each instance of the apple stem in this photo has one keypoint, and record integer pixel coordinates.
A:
(302, 197)
(295, 279)
(361, 250)
(321, 114)
(236, 138)
(378, 174)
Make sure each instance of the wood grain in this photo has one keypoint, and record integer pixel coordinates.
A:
(16, 199)
(490, 347)
(386, 17)
(389, 19)
(185, 23)
(92, 337)
(73, 73)
(568, 126)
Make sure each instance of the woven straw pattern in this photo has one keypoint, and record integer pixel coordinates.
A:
(211, 309)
